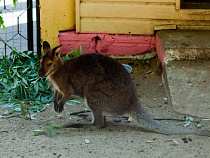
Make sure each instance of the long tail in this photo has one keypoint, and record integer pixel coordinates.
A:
(150, 124)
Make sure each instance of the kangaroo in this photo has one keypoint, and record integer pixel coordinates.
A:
(104, 85)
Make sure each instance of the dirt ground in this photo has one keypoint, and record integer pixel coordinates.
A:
(120, 139)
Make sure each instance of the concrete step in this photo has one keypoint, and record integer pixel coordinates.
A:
(185, 57)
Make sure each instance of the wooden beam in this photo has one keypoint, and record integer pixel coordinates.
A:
(141, 11)
(185, 27)
(134, 26)
(147, 1)
(178, 4)
(164, 27)
(78, 16)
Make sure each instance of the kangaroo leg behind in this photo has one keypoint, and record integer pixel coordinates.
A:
(57, 95)
(98, 119)
(65, 96)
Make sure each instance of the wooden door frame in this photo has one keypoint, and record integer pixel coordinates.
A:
(178, 4)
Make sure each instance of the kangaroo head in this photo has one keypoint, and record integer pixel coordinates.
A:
(50, 60)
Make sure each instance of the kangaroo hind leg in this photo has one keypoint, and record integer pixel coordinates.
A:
(98, 118)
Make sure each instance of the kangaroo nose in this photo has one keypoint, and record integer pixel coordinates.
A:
(41, 73)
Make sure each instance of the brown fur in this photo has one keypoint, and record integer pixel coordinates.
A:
(105, 86)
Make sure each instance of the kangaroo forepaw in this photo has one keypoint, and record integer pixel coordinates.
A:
(58, 108)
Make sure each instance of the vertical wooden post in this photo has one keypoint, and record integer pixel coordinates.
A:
(178, 4)
(38, 28)
(78, 26)
(30, 24)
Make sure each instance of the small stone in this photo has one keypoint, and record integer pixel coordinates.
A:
(87, 141)
(60, 116)
(165, 99)
(130, 119)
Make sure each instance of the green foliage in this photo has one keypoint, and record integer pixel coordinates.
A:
(19, 80)
(15, 2)
(20, 84)
(74, 53)
(1, 22)
(150, 106)
(189, 120)
(47, 131)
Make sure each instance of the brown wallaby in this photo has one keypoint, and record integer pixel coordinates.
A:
(105, 86)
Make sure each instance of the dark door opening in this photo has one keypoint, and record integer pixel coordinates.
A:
(195, 4)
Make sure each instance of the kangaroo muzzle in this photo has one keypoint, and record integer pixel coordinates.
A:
(41, 73)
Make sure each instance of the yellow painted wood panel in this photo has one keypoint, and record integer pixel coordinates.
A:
(178, 4)
(140, 11)
(116, 26)
(78, 10)
(132, 26)
(137, 16)
(148, 1)
(165, 27)
(187, 27)
(54, 17)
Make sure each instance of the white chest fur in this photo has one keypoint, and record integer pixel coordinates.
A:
(53, 83)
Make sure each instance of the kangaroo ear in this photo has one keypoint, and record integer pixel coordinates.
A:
(57, 51)
(46, 47)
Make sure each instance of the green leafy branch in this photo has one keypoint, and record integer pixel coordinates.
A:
(47, 131)
(74, 53)
(19, 81)
(189, 120)
(21, 89)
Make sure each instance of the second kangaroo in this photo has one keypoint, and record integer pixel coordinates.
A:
(105, 86)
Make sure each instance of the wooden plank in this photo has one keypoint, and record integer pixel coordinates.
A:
(178, 4)
(147, 1)
(132, 26)
(140, 11)
(165, 27)
(118, 26)
(184, 27)
(78, 16)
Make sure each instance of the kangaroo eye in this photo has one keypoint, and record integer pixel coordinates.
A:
(49, 64)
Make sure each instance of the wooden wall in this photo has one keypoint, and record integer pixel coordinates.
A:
(55, 16)
(137, 16)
